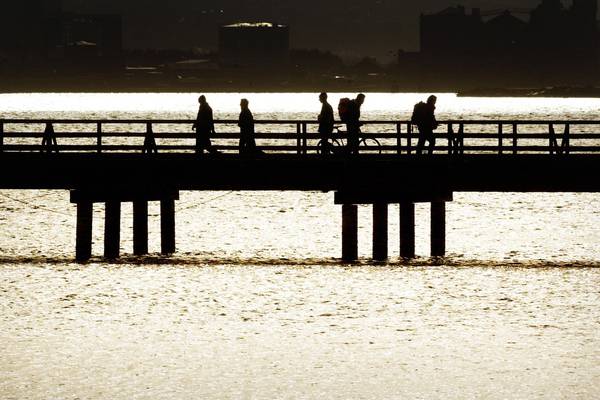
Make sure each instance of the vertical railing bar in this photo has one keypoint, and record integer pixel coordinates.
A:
(566, 141)
(461, 138)
(1, 136)
(298, 139)
(409, 138)
(552, 139)
(99, 137)
(500, 133)
(450, 138)
(399, 138)
(514, 138)
(304, 139)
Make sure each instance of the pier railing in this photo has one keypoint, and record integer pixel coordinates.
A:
(299, 137)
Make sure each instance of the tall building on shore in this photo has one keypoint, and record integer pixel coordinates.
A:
(254, 44)
(39, 35)
(556, 41)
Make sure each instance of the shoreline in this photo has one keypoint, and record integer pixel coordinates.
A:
(98, 84)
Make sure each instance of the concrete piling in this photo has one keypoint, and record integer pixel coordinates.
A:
(349, 232)
(83, 245)
(438, 229)
(167, 226)
(380, 231)
(407, 230)
(140, 227)
(112, 229)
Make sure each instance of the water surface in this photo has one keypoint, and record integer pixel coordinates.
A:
(256, 305)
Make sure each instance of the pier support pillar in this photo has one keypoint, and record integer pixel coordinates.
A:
(380, 231)
(407, 230)
(167, 226)
(438, 229)
(83, 240)
(140, 227)
(112, 229)
(349, 232)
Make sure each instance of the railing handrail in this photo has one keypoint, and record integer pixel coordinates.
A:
(294, 121)
(509, 140)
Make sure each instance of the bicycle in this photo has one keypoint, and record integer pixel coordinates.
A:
(337, 145)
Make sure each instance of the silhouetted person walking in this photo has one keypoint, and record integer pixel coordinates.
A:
(246, 124)
(424, 117)
(204, 126)
(326, 121)
(353, 123)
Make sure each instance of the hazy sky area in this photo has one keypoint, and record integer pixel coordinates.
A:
(348, 27)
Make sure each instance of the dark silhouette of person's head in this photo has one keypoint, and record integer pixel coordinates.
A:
(431, 100)
(202, 99)
(244, 103)
(360, 99)
(323, 97)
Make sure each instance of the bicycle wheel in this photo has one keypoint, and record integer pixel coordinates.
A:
(372, 145)
(333, 145)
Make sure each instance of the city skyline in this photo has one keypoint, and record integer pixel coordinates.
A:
(379, 28)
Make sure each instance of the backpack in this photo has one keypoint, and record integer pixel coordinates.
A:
(344, 109)
(419, 115)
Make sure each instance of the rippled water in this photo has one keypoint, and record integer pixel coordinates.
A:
(256, 305)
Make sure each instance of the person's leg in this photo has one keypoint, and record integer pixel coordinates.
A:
(242, 144)
(421, 143)
(324, 144)
(431, 143)
(198, 147)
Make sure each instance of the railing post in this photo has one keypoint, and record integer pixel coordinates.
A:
(49, 139)
(149, 142)
(298, 139)
(399, 137)
(461, 139)
(552, 139)
(409, 138)
(450, 138)
(566, 142)
(514, 138)
(1, 136)
(99, 137)
(304, 139)
(499, 138)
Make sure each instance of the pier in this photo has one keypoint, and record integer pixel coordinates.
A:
(139, 161)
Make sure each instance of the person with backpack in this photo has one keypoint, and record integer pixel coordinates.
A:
(424, 117)
(350, 114)
(326, 122)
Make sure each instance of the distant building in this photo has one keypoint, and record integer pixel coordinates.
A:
(451, 32)
(557, 42)
(96, 38)
(28, 28)
(37, 34)
(254, 44)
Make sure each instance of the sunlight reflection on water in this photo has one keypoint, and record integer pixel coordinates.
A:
(255, 305)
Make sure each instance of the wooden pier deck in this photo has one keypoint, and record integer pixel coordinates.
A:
(115, 161)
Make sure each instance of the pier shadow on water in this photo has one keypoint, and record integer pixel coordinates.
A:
(195, 260)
